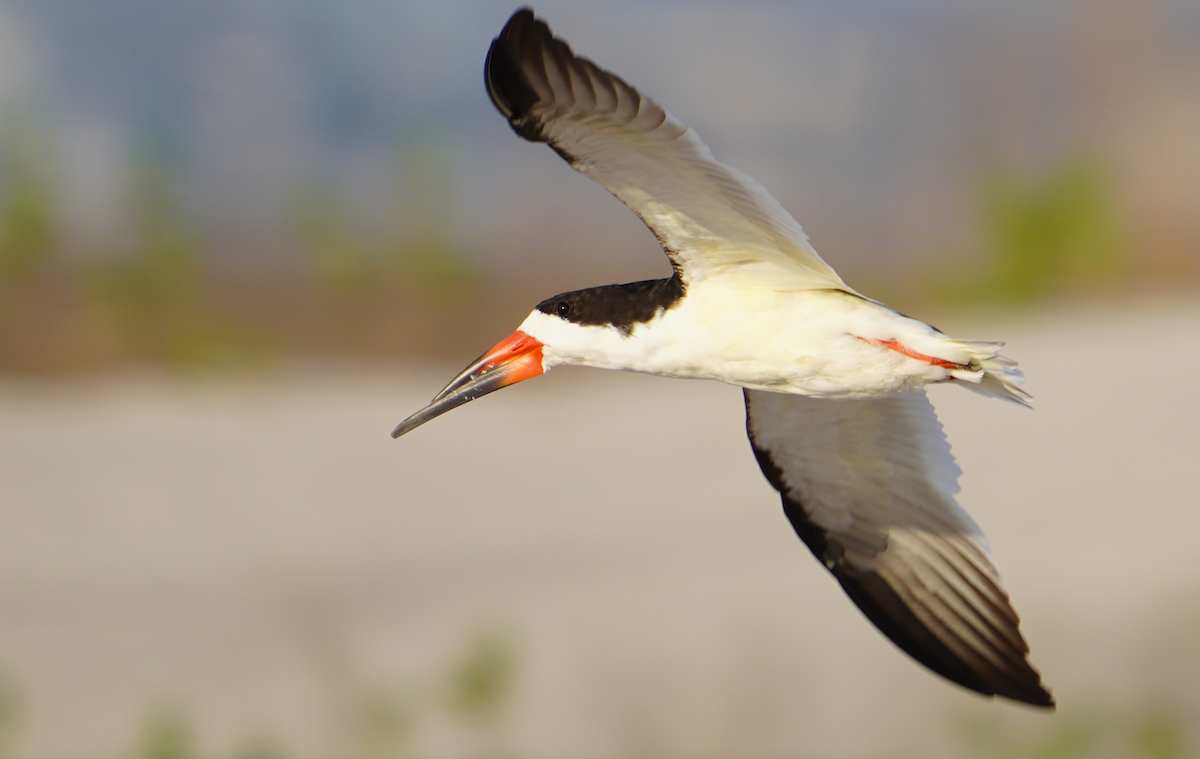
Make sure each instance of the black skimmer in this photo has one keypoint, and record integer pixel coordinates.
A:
(835, 410)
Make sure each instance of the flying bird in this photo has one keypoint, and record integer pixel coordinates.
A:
(835, 410)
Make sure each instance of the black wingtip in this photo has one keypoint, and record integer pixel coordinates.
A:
(507, 83)
(888, 612)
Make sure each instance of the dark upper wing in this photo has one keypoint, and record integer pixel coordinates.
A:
(869, 485)
(711, 220)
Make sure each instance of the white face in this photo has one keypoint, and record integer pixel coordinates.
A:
(603, 347)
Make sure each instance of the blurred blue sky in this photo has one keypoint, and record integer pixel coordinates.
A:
(869, 119)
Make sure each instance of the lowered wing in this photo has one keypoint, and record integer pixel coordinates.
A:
(869, 486)
(710, 219)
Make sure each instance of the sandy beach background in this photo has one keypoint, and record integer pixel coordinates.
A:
(254, 563)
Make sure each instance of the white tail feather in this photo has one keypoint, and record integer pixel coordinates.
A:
(991, 374)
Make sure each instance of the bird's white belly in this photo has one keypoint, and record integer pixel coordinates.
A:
(812, 343)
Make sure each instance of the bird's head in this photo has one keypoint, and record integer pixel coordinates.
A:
(591, 327)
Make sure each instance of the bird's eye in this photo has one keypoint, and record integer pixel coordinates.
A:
(563, 308)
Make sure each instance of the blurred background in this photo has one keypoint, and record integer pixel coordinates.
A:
(239, 241)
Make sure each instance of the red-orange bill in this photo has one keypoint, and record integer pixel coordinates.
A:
(517, 357)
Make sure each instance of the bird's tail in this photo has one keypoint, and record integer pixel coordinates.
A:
(991, 374)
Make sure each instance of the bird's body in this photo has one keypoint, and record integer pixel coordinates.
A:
(832, 380)
(819, 343)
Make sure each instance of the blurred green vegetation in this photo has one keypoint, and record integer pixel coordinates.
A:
(153, 291)
(480, 683)
(10, 712)
(157, 297)
(167, 735)
(28, 228)
(424, 230)
(473, 691)
(417, 246)
(1058, 232)
(391, 724)
(1089, 733)
(341, 256)
(408, 284)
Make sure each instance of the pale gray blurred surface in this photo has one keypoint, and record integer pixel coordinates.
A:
(261, 554)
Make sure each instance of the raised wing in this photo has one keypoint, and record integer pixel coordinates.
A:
(869, 486)
(709, 218)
